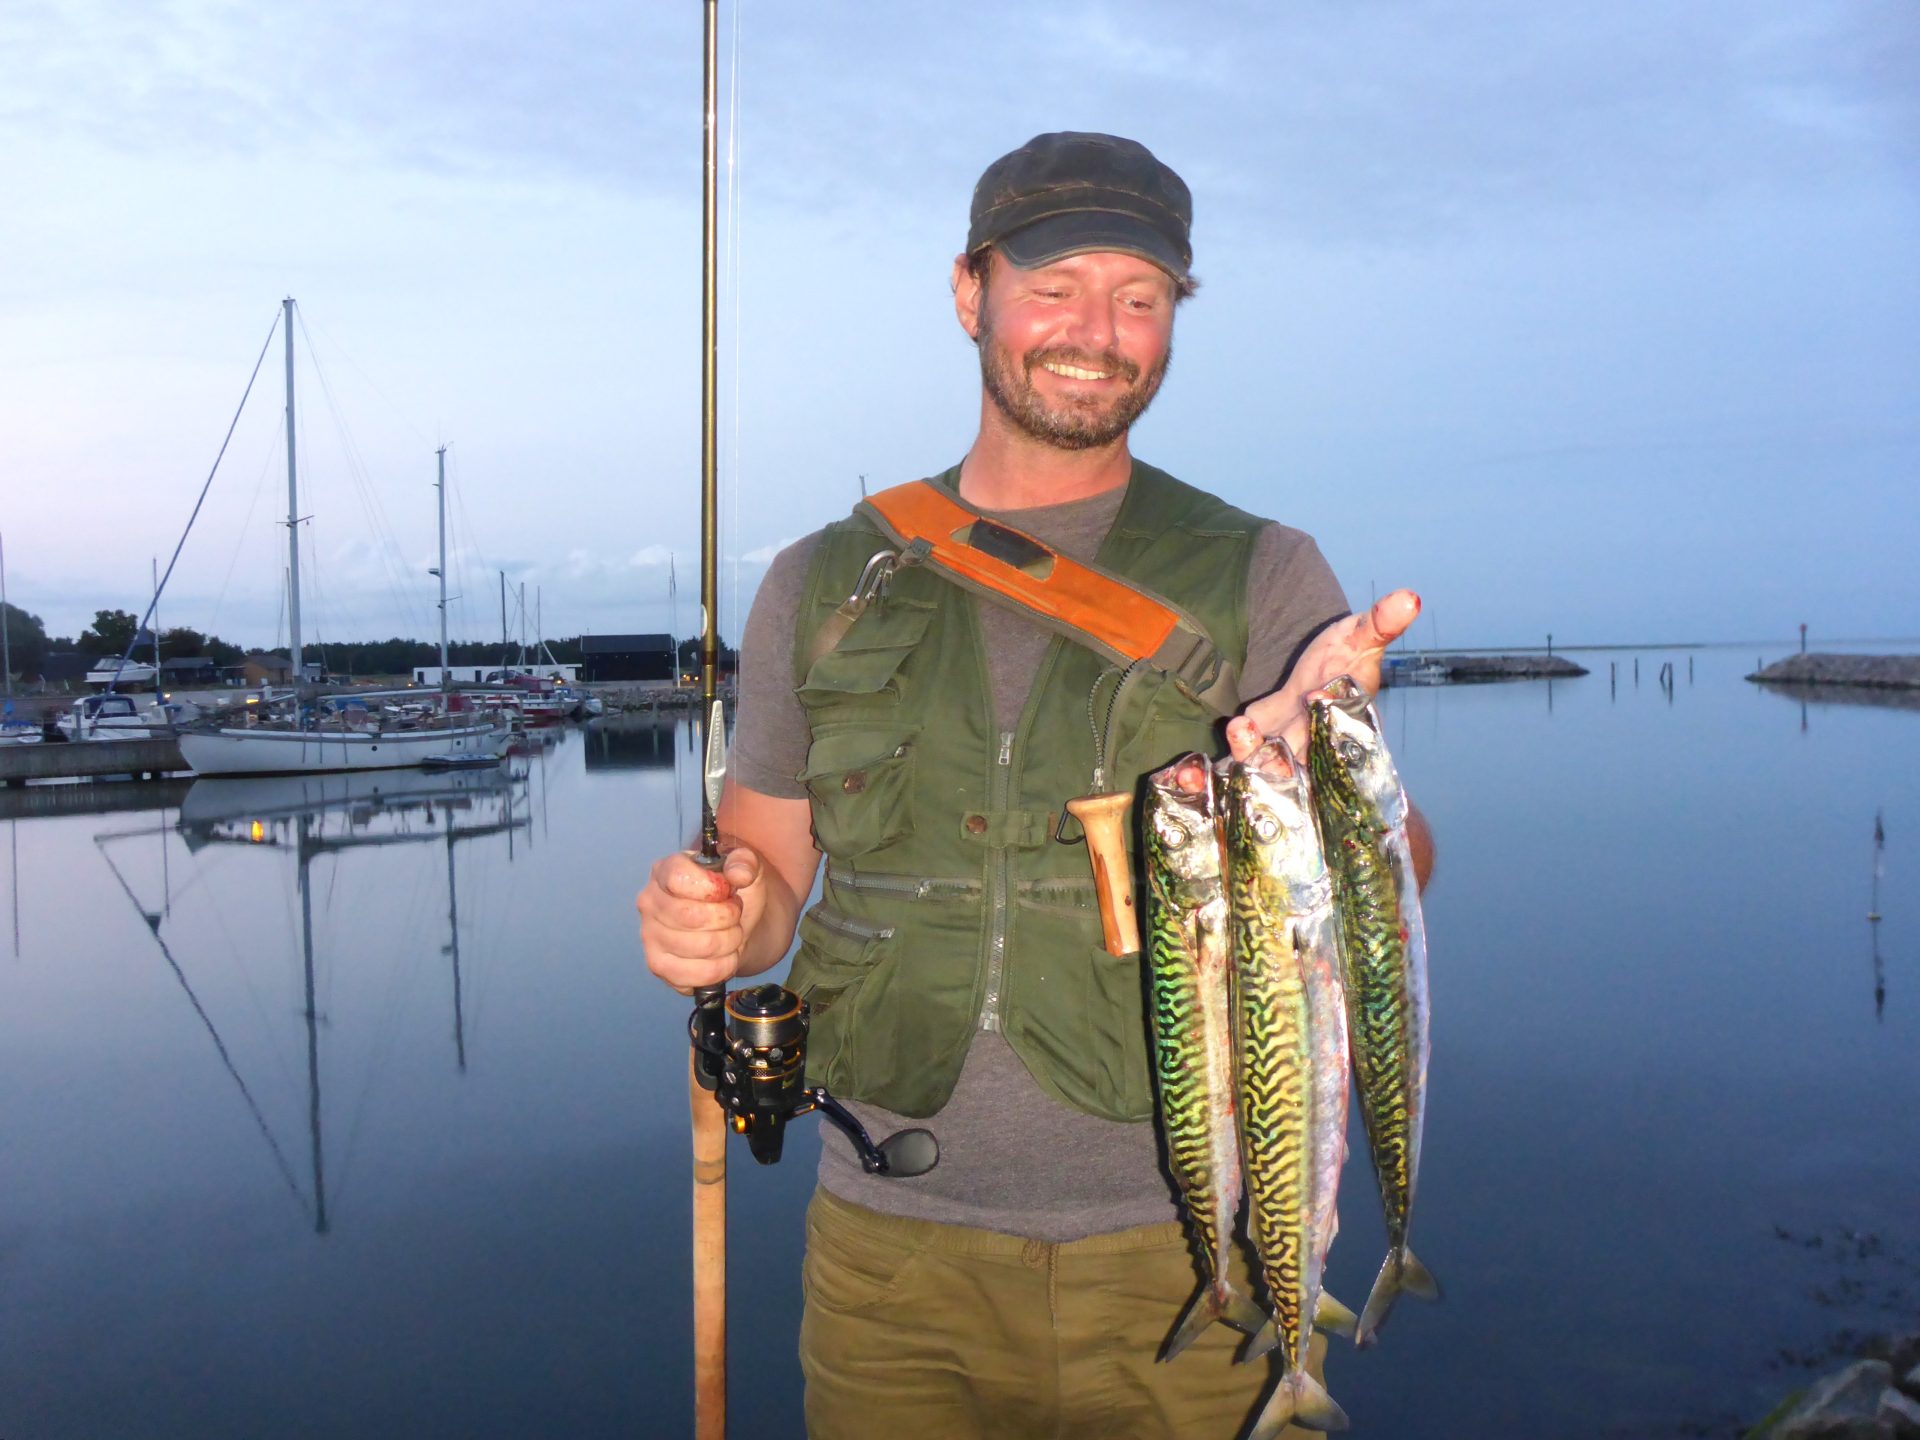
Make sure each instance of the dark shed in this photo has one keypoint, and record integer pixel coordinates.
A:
(626, 657)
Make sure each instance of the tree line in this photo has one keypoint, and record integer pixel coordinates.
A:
(113, 630)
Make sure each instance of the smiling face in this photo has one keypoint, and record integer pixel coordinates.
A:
(1071, 353)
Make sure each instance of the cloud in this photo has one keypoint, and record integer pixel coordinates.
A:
(1358, 120)
(764, 554)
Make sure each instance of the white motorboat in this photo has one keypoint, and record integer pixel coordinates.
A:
(114, 716)
(122, 674)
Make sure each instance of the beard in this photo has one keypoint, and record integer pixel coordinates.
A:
(1084, 423)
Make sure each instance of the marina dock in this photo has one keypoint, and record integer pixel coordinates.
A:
(87, 759)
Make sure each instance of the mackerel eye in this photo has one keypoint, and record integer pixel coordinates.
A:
(1172, 833)
(1266, 828)
(1351, 752)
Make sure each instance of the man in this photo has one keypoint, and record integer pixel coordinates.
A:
(954, 965)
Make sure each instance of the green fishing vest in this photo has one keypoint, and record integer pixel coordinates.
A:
(948, 904)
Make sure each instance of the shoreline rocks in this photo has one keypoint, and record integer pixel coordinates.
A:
(1873, 1398)
(1424, 669)
(1890, 672)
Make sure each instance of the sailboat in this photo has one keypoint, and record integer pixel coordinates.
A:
(350, 731)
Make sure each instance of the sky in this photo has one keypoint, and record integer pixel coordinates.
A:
(1598, 321)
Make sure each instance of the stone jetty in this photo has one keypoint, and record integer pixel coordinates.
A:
(1880, 672)
(1874, 1398)
(1418, 669)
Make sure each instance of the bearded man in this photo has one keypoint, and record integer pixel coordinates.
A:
(954, 962)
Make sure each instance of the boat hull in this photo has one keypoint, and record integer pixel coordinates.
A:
(296, 752)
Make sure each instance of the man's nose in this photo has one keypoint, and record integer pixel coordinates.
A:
(1091, 323)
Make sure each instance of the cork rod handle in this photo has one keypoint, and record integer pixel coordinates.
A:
(1103, 817)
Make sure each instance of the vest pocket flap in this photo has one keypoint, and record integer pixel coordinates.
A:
(836, 953)
(870, 653)
(859, 779)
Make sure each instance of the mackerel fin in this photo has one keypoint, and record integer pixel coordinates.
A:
(1210, 1303)
(1402, 1271)
(1330, 1315)
(1263, 1341)
(1298, 1400)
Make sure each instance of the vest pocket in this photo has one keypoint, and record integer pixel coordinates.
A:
(1152, 723)
(837, 954)
(860, 781)
(869, 654)
(1118, 1044)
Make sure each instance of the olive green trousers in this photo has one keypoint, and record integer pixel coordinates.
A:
(943, 1332)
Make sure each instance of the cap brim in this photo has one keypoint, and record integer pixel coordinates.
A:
(1086, 232)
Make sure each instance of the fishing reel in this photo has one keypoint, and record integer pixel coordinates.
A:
(750, 1050)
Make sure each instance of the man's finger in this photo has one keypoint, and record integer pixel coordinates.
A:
(693, 881)
(1386, 622)
(1243, 737)
(742, 868)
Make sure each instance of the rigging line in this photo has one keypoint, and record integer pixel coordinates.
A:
(245, 970)
(733, 285)
(259, 484)
(456, 557)
(342, 351)
(470, 546)
(226, 1057)
(207, 485)
(391, 558)
(403, 979)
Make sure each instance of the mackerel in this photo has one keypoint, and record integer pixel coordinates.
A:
(1189, 962)
(1290, 1064)
(1361, 810)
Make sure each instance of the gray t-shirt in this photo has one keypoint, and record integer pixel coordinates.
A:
(1012, 1158)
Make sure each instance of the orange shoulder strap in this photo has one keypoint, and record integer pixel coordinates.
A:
(1114, 617)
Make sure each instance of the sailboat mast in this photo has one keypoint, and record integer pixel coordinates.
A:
(154, 620)
(293, 513)
(6, 650)
(504, 659)
(441, 487)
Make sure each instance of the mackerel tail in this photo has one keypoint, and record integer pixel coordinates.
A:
(1215, 1300)
(1402, 1271)
(1301, 1400)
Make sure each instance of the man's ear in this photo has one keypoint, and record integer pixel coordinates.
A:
(966, 297)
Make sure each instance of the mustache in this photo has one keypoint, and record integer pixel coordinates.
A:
(1109, 360)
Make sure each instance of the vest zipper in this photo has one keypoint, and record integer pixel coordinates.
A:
(917, 887)
(998, 794)
(848, 926)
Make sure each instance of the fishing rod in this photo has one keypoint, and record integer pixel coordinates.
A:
(747, 1069)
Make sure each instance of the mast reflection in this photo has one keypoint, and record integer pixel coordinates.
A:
(308, 816)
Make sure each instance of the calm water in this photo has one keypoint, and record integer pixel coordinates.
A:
(454, 1203)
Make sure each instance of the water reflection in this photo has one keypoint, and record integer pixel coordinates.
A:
(640, 741)
(1873, 916)
(1877, 696)
(308, 817)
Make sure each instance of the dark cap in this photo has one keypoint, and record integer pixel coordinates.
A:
(1071, 193)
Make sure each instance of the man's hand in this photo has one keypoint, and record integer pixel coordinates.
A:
(694, 921)
(1347, 647)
